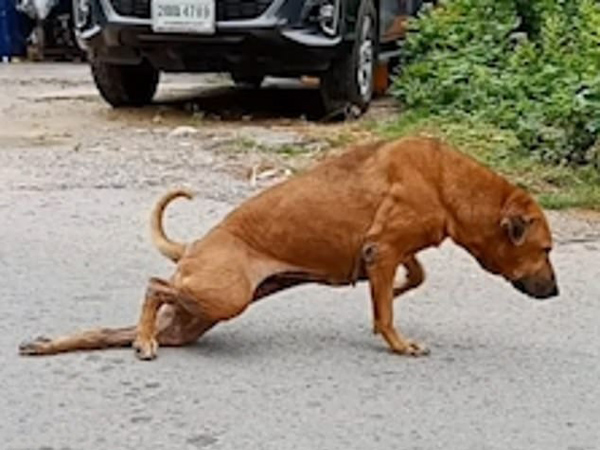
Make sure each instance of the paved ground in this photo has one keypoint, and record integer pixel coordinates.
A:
(298, 371)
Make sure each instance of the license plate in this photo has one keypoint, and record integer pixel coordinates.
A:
(183, 16)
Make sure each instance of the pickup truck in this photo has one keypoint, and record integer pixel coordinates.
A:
(340, 42)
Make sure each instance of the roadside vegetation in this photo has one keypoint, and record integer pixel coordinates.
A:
(516, 83)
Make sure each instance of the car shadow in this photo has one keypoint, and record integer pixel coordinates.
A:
(275, 100)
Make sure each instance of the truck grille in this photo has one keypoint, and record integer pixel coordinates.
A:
(226, 9)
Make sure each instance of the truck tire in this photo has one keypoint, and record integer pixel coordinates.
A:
(347, 87)
(125, 85)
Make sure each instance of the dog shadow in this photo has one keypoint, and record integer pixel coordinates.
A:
(253, 344)
(304, 340)
(258, 344)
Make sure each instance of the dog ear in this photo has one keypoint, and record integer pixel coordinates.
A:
(516, 228)
(517, 216)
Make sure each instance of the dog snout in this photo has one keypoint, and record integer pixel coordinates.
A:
(539, 288)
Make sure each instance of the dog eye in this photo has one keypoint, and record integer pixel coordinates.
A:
(547, 250)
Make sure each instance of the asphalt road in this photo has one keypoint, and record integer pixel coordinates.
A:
(300, 370)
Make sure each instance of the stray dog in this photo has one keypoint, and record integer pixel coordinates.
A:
(354, 217)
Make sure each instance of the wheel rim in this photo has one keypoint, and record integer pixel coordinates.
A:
(364, 73)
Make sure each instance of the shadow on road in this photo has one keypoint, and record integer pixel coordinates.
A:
(285, 100)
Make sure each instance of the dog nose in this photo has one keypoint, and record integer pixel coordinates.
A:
(537, 289)
(551, 287)
(554, 291)
(543, 294)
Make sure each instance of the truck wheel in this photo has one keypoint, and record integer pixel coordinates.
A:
(125, 85)
(348, 84)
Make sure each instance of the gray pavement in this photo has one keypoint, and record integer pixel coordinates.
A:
(300, 370)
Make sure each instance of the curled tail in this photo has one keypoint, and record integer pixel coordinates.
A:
(170, 249)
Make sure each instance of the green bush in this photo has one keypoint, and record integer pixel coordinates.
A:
(528, 66)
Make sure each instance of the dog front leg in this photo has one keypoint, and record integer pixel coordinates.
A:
(381, 279)
(415, 275)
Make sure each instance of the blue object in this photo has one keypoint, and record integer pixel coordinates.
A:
(11, 40)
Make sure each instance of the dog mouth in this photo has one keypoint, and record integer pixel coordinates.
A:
(538, 289)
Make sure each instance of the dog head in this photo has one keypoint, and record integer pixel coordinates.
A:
(522, 252)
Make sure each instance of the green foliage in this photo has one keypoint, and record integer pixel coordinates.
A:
(528, 66)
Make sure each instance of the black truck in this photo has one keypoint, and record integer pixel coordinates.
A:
(129, 42)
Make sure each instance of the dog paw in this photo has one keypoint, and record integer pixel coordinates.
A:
(145, 349)
(413, 348)
(36, 346)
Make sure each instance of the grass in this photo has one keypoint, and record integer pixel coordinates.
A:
(556, 187)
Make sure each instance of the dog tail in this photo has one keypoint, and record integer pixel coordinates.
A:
(172, 250)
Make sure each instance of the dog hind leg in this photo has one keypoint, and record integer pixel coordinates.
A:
(158, 293)
(175, 327)
(182, 328)
(96, 339)
(204, 307)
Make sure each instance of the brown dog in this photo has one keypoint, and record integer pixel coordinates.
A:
(354, 217)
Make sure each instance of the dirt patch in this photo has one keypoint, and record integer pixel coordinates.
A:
(261, 136)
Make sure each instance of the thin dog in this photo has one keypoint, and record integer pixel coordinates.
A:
(357, 216)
